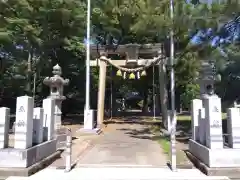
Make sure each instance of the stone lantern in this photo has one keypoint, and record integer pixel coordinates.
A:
(206, 77)
(56, 84)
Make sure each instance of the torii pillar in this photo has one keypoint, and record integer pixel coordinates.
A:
(101, 90)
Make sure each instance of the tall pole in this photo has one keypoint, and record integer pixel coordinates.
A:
(173, 114)
(111, 93)
(34, 86)
(154, 100)
(87, 100)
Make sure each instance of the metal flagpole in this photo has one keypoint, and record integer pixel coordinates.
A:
(172, 78)
(87, 113)
(87, 105)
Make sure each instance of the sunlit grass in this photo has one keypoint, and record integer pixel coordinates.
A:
(188, 117)
(165, 145)
(184, 118)
(159, 118)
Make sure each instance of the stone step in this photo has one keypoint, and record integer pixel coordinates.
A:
(121, 174)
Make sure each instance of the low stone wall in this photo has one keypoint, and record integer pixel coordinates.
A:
(215, 158)
(15, 158)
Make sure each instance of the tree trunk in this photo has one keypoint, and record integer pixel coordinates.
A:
(163, 94)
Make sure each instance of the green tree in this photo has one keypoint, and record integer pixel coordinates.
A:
(35, 35)
(148, 21)
(228, 67)
(187, 70)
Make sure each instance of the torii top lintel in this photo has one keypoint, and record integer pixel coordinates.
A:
(126, 52)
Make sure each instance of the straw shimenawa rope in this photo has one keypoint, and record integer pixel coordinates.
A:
(155, 61)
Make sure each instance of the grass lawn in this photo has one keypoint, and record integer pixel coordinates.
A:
(180, 154)
(183, 118)
(165, 144)
(180, 117)
(188, 117)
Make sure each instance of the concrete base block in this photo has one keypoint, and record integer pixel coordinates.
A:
(23, 158)
(90, 119)
(215, 158)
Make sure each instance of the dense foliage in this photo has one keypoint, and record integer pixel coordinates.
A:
(37, 34)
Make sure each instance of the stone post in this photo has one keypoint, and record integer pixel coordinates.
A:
(37, 125)
(101, 92)
(202, 126)
(4, 126)
(233, 127)
(24, 122)
(196, 106)
(48, 119)
(213, 120)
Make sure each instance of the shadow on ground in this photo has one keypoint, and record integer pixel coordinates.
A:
(144, 133)
(73, 119)
(130, 114)
(183, 131)
(164, 140)
(156, 132)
